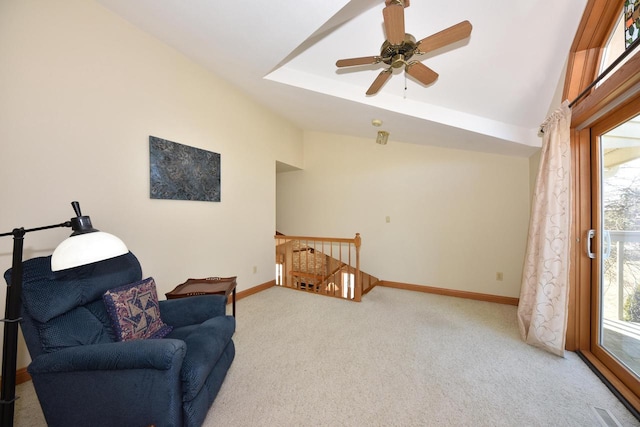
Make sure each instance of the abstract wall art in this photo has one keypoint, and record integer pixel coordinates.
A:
(180, 172)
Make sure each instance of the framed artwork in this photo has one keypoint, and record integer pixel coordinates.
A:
(180, 172)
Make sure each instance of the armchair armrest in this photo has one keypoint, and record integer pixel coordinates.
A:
(192, 310)
(132, 383)
(159, 354)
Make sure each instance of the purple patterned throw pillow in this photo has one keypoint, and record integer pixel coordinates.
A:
(134, 311)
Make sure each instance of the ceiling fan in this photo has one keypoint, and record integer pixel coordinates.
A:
(399, 47)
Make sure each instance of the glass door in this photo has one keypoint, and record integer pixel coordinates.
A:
(615, 245)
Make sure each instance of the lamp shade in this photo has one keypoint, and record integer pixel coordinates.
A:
(86, 248)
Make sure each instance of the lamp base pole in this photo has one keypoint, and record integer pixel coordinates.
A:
(10, 341)
(12, 314)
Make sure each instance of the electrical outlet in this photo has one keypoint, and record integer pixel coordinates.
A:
(255, 269)
(387, 219)
(499, 276)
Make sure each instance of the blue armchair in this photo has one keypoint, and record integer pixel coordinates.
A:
(83, 376)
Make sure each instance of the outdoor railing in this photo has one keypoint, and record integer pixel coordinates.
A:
(622, 268)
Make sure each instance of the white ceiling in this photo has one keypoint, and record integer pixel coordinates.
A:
(494, 89)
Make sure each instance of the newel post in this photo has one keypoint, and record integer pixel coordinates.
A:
(357, 243)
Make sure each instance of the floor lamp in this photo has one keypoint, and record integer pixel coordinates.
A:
(85, 246)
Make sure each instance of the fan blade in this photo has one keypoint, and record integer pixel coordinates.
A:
(394, 23)
(365, 60)
(421, 72)
(379, 81)
(447, 36)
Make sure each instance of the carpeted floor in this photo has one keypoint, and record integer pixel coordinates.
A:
(398, 358)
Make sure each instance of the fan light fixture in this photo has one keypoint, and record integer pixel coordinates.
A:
(399, 47)
(382, 137)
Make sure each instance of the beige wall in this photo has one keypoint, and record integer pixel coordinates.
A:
(81, 90)
(534, 165)
(456, 217)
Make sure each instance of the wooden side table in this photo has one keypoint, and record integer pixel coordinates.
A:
(208, 286)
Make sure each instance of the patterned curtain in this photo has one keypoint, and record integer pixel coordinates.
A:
(542, 311)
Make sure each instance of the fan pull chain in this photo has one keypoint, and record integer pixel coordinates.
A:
(405, 85)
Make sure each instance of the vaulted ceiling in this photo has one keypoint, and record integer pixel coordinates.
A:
(493, 91)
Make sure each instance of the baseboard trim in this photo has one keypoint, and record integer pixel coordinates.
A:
(253, 290)
(22, 376)
(450, 292)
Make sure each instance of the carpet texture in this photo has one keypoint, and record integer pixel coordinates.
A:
(398, 358)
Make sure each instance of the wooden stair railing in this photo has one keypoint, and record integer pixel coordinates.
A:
(328, 266)
(318, 281)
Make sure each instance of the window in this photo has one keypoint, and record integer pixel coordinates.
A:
(348, 285)
(631, 21)
(624, 32)
(605, 150)
(278, 274)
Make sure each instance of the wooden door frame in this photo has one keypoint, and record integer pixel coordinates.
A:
(582, 68)
(623, 113)
(612, 98)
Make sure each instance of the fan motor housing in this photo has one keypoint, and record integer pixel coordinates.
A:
(397, 55)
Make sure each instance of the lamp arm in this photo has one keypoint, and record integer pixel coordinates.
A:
(17, 231)
(12, 317)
